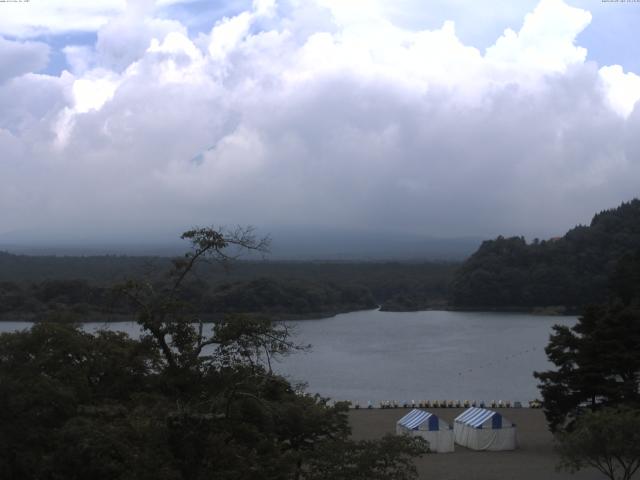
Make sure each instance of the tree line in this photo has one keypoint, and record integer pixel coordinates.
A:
(59, 288)
(571, 271)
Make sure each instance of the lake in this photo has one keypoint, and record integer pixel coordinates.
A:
(431, 355)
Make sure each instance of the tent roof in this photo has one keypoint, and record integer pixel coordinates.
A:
(415, 418)
(475, 417)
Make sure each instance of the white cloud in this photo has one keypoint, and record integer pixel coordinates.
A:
(333, 118)
(17, 58)
(546, 40)
(89, 93)
(53, 17)
(126, 37)
(80, 58)
(622, 89)
(92, 93)
(56, 16)
(227, 34)
(265, 8)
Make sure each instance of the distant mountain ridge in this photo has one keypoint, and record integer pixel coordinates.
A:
(300, 243)
(570, 271)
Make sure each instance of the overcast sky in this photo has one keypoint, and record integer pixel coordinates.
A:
(444, 118)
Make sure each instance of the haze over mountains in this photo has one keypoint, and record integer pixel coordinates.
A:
(288, 243)
(563, 274)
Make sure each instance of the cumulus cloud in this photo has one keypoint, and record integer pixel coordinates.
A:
(622, 89)
(17, 58)
(546, 40)
(124, 39)
(310, 113)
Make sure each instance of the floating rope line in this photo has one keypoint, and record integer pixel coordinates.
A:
(497, 362)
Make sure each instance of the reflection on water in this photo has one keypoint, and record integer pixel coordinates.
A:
(374, 356)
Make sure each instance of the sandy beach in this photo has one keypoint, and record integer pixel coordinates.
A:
(533, 460)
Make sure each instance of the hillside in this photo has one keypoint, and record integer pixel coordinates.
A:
(571, 271)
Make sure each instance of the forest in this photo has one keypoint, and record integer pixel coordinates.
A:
(569, 272)
(78, 288)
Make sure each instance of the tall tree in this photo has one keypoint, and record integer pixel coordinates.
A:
(598, 359)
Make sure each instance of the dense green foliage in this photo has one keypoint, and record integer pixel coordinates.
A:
(77, 300)
(571, 271)
(608, 440)
(179, 403)
(598, 359)
(60, 300)
(77, 406)
(81, 288)
(269, 296)
(99, 270)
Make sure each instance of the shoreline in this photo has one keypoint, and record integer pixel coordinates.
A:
(98, 317)
(555, 311)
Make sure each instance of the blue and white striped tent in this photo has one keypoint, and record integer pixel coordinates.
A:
(417, 418)
(425, 424)
(482, 429)
(476, 417)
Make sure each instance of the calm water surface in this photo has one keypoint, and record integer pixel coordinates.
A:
(373, 356)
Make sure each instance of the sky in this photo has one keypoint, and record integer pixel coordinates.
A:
(432, 117)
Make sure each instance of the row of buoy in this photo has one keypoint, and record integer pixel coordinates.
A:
(497, 362)
(447, 404)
